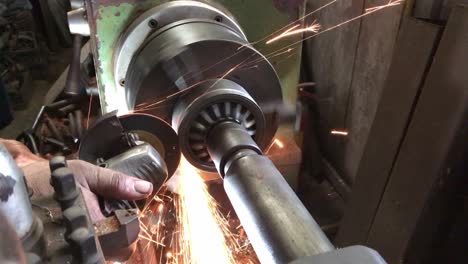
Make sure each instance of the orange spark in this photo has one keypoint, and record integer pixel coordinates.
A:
(339, 132)
(279, 143)
(160, 207)
(390, 3)
(202, 234)
(300, 19)
(295, 30)
(150, 240)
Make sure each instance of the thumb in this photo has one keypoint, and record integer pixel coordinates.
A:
(112, 184)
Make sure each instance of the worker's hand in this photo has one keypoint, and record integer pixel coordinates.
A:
(20, 153)
(92, 180)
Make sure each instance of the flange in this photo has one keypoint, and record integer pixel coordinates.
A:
(157, 18)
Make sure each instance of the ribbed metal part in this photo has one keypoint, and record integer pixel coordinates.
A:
(213, 102)
(214, 114)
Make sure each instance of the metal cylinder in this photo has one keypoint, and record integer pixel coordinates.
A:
(226, 139)
(78, 23)
(278, 225)
(73, 85)
(14, 199)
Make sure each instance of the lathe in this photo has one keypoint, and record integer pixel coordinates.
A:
(183, 78)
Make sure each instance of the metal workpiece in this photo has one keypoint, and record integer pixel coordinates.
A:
(156, 18)
(353, 254)
(278, 225)
(78, 23)
(14, 199)
(197, 71)
(225, 140)
(209, 104)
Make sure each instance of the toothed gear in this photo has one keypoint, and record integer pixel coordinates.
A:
(214, 102)
(214, 114)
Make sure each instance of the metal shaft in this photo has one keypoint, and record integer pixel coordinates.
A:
(278, 225)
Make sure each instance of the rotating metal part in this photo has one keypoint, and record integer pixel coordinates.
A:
(279, 227)
(157, 18)
(205, 106)
(184, 46)
(190, 64)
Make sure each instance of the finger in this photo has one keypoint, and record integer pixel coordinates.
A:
(92, 204)
(112, 184)
(37, 176)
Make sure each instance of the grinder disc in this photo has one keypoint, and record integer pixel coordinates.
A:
(157, 133)
(104, 139)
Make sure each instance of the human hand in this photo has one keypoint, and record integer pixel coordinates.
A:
(90, 178)
(93, 181)
(20, 153)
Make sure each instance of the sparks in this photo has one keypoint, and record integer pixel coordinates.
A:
(295, 30)
(339, 132)
(160, 208)
(279, 143)
(300, 19)
(201, 235)
(390, 3)
(369, 11)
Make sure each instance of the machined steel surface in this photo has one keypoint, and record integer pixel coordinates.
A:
(225, 140)
(353, 254)
(189, 53)
(278, 225)
(156, 18)
(191, 82)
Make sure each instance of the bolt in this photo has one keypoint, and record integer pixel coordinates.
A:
(153, 23)
(75, 218)
(64, 185)
(85, 245)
